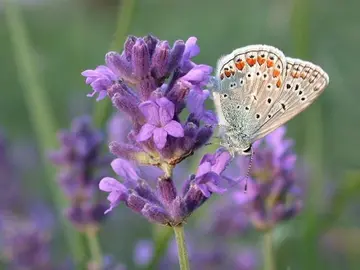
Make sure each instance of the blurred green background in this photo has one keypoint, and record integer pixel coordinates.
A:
(68, 37)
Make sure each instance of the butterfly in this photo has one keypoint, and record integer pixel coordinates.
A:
(257, 89)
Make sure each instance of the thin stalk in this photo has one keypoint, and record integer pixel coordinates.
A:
(125, 13)
(269, 259)
(40, 115)
(181, 245)
(95, 248)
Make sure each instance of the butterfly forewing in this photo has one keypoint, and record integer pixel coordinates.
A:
(259, 89)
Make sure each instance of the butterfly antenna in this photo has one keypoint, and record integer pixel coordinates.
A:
(248, 170)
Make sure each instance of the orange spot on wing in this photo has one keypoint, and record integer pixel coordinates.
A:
(227, 73)
(295, 74)
(260, 60)
(270, 63)
(303, 75)
(251, 61)
(240, 65)
(276, 73)
(278, 83)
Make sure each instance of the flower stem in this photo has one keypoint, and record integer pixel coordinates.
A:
(269, 260)
(181, 245)
(95, 248)
(124, 16)
(40, 114)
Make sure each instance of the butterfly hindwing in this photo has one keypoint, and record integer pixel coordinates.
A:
(304, 82)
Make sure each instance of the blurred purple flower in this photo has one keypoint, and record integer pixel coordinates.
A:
(79, 159)
(159, 115)
(273, 195)
(143, 252)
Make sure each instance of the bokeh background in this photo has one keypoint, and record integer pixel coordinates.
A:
(68, 37)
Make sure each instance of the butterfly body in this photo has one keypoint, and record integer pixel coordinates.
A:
(258, 89)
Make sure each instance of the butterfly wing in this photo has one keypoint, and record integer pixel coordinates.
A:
(304, 82)
(250, 80)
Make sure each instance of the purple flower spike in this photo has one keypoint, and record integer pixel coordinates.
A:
(272, 195)
(100, 79)
(159, 115)
(118, 192)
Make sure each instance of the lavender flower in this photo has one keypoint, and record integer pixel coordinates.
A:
(79, 158)
(164, 205)
(150, 81)
(25, 243)
(24, 237)
(273, 194)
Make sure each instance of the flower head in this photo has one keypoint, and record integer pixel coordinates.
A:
(78, 158)
(273, 194)
(150, 81)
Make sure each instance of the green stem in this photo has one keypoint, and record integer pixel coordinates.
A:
(181, 245)
(125, 12)
(95, 248)
(40, 114)
(269, 259)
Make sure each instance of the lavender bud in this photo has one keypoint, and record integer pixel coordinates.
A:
(176, 55)
(146, 87)
(129, 44)
(155, 214)
(129, 105)
(160, 59)
(145, 191)
(140, 59)
(119, 65)
(203, 136)
(135, 202)
(151, 42)
(194, 198)
(167, 190)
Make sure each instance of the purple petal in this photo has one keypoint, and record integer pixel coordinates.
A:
(221, 162)
(160, 135)
(102, 95)
(198, 75)
(203, 169)
(174, 129)
(166, 111)
(145, 133)
(151, 112)
(110, 184)
(191, 48)
(125, 169)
